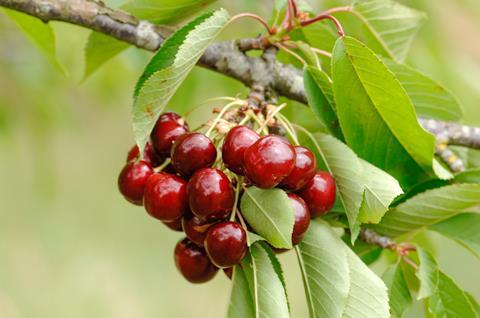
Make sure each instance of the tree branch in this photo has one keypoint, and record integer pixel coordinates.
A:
(228, 58)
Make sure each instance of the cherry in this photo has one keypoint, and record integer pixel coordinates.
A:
(195, 228)
(132, 179)
(303, 171)
(319, 193)
(193, 263)
(228, 272)
(226, 244)
(149, 155)
(302, 217)
(174, 225)
(168, 128)
(165, 197)
(268, 161)
(210, 194)
(236, 142)
(192, 152)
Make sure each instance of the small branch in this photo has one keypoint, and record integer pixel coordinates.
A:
(453, 162)
(453, 133)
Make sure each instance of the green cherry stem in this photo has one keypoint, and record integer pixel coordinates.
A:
(217, 119)
(288, 127)
(237, 196)
(162, 166)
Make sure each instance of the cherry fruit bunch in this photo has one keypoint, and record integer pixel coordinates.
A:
(180, 181)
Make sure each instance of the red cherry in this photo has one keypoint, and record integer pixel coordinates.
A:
(195, 228)
(226, 244)
(168, 128)
(175, 225)
(165, 197)
(192, 152)
(302, 218)
(236, 142)
(149, 155)
(228, 272)
(210, 194)
(319, 193)
(303, 171)
(132, 179)
(193, 263)
(268, 161)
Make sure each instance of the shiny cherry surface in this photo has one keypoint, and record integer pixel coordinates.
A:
(193, 262)
(210, 194)
(268, 161)
(192, 152)
(319, 193)
(236, 142)
(302, 218)
(132, 180)
(195, 228)
(226, 244)
(303, 171)
(175, 225)
(168, 128)
(165, 197)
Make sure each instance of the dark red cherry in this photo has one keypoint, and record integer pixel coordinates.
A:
(303, 171)
(149, 155)
(302, 217)
(319, 193)
(192, 152)
(236, 142)
(226, 244)
(165, 197)
(175, 225)
(268, 161)
(195, 228)
(228, 272)
(210, 194)
(193, 262)
(168, 128)
(132, 179)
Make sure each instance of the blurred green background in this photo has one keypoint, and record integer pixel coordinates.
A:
(71, 246)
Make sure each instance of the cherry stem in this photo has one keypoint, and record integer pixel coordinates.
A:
(322, 52)
(286, 124)
(163, 165)
(256, 17)
(271, 115)
(324, 16)
(242, 221)
(295, 55)
(221, 114)
(237, 196)
(208, 101)
(259, 122)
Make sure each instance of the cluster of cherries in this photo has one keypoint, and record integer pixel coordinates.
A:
(176, 182)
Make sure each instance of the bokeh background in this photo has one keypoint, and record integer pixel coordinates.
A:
(71, 246)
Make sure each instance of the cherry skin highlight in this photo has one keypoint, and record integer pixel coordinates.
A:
(319, 193)
(226, 244)
(168, 128)
(165, 197)
(192, 152)
(210, 194)
(303, 171)
(268, 161)
(302, 218)
(132, 180)
(236, 142)
(193, 263)
(195, 228)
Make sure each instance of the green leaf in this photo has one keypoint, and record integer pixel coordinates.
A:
(169, 67)
(241, 300)
(463, 228)
(364, 190)
(101, 48)
(377, 117)
(320, 35)
(39, 33)
(428, 208)
(310, 56)
(337, 283)
(429, 98)
(266, 283)
(398, 292)
(270, 213)
(445, 298)
(390, 26)
(164, 11)
(318, 87)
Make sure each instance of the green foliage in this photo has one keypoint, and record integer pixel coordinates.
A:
(398, 291)
(336, 280)
(463, 228)
(241, 300)
(428, 208)
(270, 214)
(377, 117)
(41, 35)
(169, 67)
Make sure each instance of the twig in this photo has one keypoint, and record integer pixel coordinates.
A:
(453, 162)
(453, 133)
